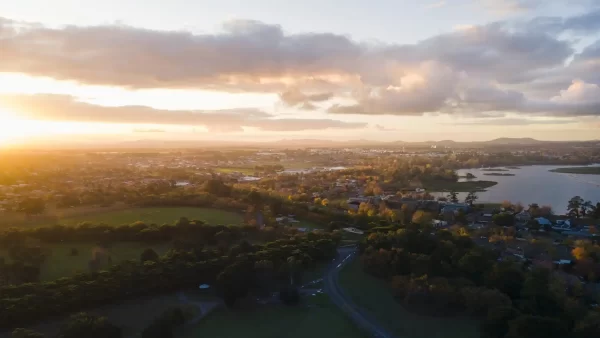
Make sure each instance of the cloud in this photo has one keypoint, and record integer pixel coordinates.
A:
(384, 128)
(479, 70)
(246, 55)
(510, 122)
(515, 6)
(435, 5)
(67, 108)
(294, 97)
(149, 130)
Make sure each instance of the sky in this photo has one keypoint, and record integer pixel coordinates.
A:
(467, 70)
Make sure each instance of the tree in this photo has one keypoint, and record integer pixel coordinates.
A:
(471, 198)
(89, 326)
(422, 218)
(588, 327)
(163, 326)
(504, 219)
(453, 196)
(254, 198)
(32, 206)
(234, 282)
(536, 327)
(26, 333)
(497, 321)
(595, 211)
(149, 255)
(289, 295)
(585, 207)
(574, 206)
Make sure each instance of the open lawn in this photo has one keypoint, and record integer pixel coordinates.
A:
(375, 296)
(578, 170)
(120, 215)
(458, 186)
(317, 318)
(157, 216)
(228, 170)
(61, 263)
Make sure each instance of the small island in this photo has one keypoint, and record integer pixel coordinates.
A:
(468, 176)
(458, 186)
(512, 167)
(578, 170)
(498, 174)
(494, 169)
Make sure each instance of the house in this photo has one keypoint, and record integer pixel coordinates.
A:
(543, 221)
(455, 207)
(439, 223)
(485, 218)
(523, 216)
(354, 231)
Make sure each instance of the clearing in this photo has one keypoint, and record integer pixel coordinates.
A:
(120, 215)
(578, 170)
(375, 296)
(318, 317)
(157, 216)
(61, 263)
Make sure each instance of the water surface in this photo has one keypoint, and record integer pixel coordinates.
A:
(536, 184)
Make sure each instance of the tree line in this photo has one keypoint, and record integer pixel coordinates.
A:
(27, 303)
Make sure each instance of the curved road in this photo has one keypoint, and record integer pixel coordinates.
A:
(359, 316)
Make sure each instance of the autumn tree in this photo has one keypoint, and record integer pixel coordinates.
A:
(422, 218)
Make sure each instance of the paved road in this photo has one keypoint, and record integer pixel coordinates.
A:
(359, 316)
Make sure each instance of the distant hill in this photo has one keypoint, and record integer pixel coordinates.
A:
(288, 143)
(515, 141)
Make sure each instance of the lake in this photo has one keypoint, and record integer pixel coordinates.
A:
(536, 184)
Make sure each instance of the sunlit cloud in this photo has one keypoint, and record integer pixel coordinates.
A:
(67, 108)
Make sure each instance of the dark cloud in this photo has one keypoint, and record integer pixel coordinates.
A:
(66, 108)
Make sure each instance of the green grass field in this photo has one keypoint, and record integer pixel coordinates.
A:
(157, 216)
(245, 171)
(61, 264)
(319, 318)
(375, 296)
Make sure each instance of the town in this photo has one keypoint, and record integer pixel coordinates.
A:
(67, 213)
